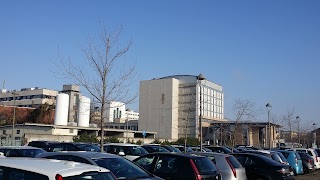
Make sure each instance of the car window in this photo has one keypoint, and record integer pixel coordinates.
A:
(146, 162)
(17, 174)
(235, 163)
(134, 150)
(167, 165)
(204, 165)
(121, 168)
(69, 147)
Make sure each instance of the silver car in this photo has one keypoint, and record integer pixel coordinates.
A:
(119, 166)
(228, 165)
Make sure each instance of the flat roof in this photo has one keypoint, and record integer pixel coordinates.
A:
(77, 127)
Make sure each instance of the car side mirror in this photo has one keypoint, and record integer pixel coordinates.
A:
(121, 154)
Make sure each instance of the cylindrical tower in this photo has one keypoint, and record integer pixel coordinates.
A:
(84, 111)
(61, 111)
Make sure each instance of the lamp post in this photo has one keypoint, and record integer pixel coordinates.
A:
(14, 117)
(314, 135)
(199, 79)
(298, 121)
(269, 107)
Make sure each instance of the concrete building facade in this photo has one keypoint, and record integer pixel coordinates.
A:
(28, 97)
(171, 105)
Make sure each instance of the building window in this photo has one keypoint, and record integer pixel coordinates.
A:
(17, 138)
(18, 131)
(4, 132)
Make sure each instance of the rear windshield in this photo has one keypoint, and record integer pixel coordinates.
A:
(122, 168)
(92, 175)
(234, 162)
(276, 157)
(298, 156)
(282, 157)
(204, 165)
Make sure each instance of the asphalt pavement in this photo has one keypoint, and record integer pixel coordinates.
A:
(310, 176)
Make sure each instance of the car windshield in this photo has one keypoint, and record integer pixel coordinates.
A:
(235, 163)
(135, 150)
(283, 159)
(88, 147)
(91, 175)
(122, 168)
(204, 165)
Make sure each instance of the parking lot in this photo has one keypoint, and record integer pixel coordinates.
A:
(311, 176)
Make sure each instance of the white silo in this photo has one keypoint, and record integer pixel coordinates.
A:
(61, 112)
(84, 111)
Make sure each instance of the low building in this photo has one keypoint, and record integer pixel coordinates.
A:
(24, 133)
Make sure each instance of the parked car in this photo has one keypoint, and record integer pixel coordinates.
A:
(20, 151)
(181, 148)
(270, 154)
(294, 160)
(64, 146)
(259, 167)
(40, 144)
(129, 151)
(45, 169)
(168, 147)
(313, 153)
(87, 147)
(229, 167)
(307, 162)
(154, 148)
(219, 149)
(198, 149)
(119, 166)
(179, 166)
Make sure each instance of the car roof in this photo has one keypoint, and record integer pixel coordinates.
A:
(50, 167)
(177, 154)
(210, 154)
(120, 144)
(18, 147)
(88, 154)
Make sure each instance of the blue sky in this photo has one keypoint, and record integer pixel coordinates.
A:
(264, 51)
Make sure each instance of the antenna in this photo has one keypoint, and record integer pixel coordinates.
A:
(4, 84)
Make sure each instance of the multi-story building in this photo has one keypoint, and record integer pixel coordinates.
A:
(28, 97)
(172, 106)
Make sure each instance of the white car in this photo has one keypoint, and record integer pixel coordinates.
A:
(312, 152)
(128, 151)
(45, 169)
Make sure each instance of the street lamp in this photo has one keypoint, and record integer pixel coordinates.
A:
(14, 116)
(314, 134)
(269, 107)
(199, 79)
(298, 121)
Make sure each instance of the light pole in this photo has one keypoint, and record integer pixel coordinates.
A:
(14, 117)
(298, 121)
(199, 79)
(314, 135)
(269, 107)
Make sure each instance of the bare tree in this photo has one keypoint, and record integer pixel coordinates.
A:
(288, 120)
(104, 72)
(244, 110)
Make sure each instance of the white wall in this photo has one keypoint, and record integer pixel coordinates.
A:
(158, 106)
(115, 110)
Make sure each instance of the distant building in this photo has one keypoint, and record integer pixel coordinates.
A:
(28, 97)
(171, 105)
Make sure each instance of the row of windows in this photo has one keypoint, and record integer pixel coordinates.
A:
(134, 128)
(5, 131)
(40, 96)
